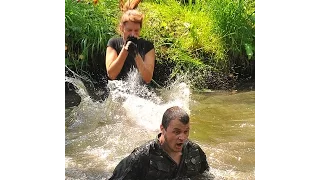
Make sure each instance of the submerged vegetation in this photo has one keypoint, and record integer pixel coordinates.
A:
(210, 40)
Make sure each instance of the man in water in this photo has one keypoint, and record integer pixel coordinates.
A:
(170, 156)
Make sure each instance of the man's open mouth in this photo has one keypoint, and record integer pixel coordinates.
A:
(179, 145)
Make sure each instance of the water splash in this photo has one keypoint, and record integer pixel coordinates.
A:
(126, 119)
(102, 133)
(142, 104)
(80, 87)
(129, 100)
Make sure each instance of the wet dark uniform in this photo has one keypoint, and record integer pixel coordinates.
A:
(151, 162)
(144, 47)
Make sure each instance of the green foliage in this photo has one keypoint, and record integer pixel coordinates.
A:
(183, 34)
(87, 29)
(203, 38)
(234, 21)
(180, 31)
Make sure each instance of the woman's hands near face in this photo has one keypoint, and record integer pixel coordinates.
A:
(131, 46)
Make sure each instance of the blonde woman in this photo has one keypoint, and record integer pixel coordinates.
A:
(130, 50)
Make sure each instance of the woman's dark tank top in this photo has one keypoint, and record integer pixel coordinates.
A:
(144, 47)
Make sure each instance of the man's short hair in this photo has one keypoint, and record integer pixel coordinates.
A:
(173, 113)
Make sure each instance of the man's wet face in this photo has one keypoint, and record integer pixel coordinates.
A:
(176, 134)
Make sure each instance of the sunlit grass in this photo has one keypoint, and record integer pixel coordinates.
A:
(88, 28)
(200, 38)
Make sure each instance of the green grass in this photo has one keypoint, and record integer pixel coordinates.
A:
(201, 39)
(87, 29)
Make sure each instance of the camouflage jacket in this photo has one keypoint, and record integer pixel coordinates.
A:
(150, 162)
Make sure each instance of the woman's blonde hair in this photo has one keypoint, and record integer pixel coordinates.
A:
(130, 13)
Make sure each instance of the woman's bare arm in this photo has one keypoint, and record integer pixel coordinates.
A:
(114, 63)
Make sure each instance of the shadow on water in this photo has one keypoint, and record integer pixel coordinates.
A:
(98, 134)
